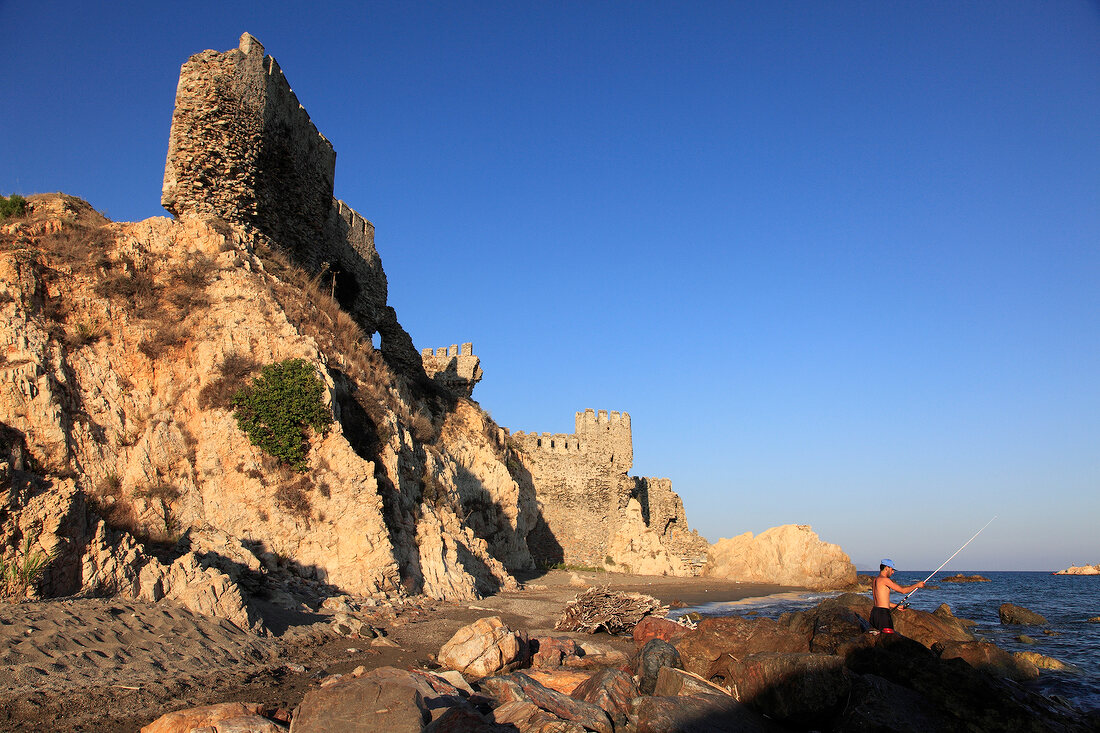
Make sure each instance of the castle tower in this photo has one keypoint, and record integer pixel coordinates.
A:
(605, 438)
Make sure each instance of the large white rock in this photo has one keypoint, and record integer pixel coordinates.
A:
(791, 554)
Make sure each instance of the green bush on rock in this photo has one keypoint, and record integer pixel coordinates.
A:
(13, 205)
(277, 408)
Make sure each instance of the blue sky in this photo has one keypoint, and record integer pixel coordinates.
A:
(840, 261)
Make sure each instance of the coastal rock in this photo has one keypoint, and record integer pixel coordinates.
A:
(989, 657)
(735, 636)
(928, 628)
(877, 704)
(1080, 570)
(386, 698)
(960, 578)
(526, 717)
(552, 651)
(243, 724)
(1010, 613)
(791, 555)
(944, 611)
(612, 690)
(1039, 661)
(654, 656)
(653, 627)
(483, 648)
(519, 687)
(697, 714)
(672, 682)
(184, 721)
(560, 679)
(798, 688)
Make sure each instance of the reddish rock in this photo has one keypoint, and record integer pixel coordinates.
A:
(182, 721)
(736, 636)
(929, 628)
(385, 699)
(612, 690)
(519, 687)
(672, 682)
(243, 724)
(562, 679)
(527, 717)
(551, 651)
(652, 627)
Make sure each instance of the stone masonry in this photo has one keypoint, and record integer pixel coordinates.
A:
(583, 488)
(243, 149)
(456, 370)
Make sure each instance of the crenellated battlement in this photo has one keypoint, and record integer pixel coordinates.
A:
(455, 368)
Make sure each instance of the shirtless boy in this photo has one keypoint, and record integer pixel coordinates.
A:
(881, 586)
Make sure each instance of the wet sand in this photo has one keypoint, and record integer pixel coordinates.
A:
(112, 665)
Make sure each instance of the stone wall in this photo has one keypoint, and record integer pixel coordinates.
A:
(583, 491)
(455, 369)
(243, 149)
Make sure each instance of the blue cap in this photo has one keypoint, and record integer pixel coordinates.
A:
(888, 563)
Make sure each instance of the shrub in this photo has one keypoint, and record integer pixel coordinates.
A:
(277, 408)
(293, 497)
(12, 206)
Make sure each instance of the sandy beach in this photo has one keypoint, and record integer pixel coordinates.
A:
(108, 665)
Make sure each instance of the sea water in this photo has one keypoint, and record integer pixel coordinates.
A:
(1066, 601)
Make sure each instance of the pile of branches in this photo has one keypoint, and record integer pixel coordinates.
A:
(615, 612)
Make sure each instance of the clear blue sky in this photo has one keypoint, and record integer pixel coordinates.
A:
(839, 261)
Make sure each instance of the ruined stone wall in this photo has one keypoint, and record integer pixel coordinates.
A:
(663, 512)
(456, 370)
(582, 486)
(242, 148)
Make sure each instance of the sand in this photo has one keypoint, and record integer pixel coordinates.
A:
(110, 665)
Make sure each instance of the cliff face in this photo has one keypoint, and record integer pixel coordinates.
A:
(122, 343)
(787, 555)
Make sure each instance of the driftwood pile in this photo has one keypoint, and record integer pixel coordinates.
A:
(615, 612)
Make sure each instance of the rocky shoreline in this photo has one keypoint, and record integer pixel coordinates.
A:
(116, 665)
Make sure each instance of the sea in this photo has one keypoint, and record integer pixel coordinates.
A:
(1066, 601)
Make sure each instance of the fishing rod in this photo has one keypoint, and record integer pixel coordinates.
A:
(905, 599)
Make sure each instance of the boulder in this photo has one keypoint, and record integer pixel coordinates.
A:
(389, 699)
(1040, 661)
(797, 688)
(243, 724)
(877, 704)
(652, 627)
(672, 682)
(551, 651)
(183, 721)
(960, 578)
(969, 698)
(736, 636)
(519, 687)
(944, 611)
(696, 714)
(653, 656)
(612, 690)
(526, 717)
(989, 657)
(483, 648)
(562, 679)
(462, 720)
(928, 628)
(788, 555)
(1010, 613)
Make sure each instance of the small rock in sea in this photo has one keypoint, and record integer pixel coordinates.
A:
(1094, 620)
(1025, 639)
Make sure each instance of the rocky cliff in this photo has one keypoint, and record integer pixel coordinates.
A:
(791, 554)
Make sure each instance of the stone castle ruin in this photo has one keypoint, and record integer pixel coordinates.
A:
(587, 499)
(457, 371)
(243, 149)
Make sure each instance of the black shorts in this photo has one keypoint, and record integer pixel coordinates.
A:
(881, 619)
